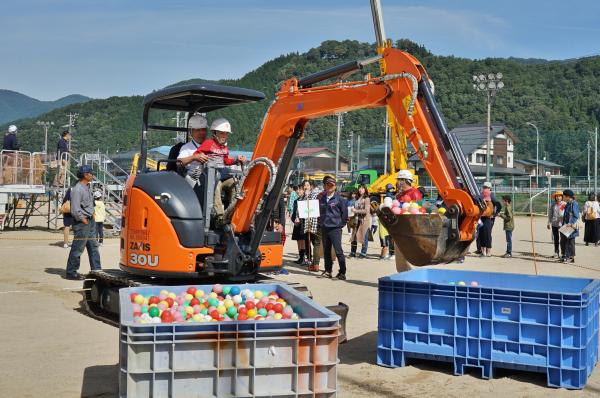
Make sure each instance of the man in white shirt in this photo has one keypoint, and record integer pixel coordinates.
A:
(197, 126)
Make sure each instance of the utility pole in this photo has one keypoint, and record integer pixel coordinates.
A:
(337, 146)
(351, 146)
(71, 125)
(387, 138)
(588, 165)
(537, 154)
(491, 84)
(358, 153)
(596, 161)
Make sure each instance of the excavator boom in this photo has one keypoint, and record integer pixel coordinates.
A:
(405, 90)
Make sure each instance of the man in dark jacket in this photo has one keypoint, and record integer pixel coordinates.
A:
(10, 139)
(333, 215)
(62, 157)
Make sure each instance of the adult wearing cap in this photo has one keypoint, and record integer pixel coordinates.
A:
(555, 215)
(84, 226)
(570, 218)
(484, 228)
(10, 139)
(333, 211)
(197, 128)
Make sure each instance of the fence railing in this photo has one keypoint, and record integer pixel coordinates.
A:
(21, 168)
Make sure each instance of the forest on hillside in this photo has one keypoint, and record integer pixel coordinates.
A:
(560, 97)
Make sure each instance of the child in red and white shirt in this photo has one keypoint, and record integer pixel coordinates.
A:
(216, 147)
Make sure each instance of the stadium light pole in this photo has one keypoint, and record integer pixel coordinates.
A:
(491, 84)
(46, 126)
(537, 153)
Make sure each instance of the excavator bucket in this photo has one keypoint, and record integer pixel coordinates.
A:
(423, 239)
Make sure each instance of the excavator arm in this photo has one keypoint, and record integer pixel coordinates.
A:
(404, 89)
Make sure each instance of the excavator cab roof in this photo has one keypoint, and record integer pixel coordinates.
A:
(194, 98)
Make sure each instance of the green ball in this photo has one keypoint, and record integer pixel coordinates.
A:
(144, 309)
(213, 302)
(186, 304)
(226, 290)
(262, 312)
(154, 312)
(232, 311)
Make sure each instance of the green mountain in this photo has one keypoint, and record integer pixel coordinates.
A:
(561, 97)
(15, 105)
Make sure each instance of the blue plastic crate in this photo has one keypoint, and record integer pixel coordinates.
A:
(291, 358)
(535, 323)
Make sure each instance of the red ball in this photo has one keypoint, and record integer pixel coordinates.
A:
(194, 301)
(153, 300)
(249, 305)
(278, 308)
(242, 316)
(215, 314)
(132, 297)
(169, 301)
(166, 317)
(242, 310)
(260, 305)
(137, 313)
(191, 290)
(269, 306)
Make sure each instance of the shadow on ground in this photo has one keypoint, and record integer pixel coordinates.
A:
(56, 271)
(100, 381)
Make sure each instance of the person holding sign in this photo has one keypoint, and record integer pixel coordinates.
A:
(308, 210)
(569, 230)
(333, 209)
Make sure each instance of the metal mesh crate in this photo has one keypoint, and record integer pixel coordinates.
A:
(524, 322)
(278, 358)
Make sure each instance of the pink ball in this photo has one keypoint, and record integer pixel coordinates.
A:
(264, 300)
(396, 210)
(217, 288)
(161, 306)
(288, 310)
(162, 297)
(137, 308)
(414, 210)
(474, 284)
(396, 203)
(271, 313)
(197, 309)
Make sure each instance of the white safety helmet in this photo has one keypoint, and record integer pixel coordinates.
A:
(12, 128)
(197, 122)
(487, 184)
(221, 124)
(97, 194)
(405, 174)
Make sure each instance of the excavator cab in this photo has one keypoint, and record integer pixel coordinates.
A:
(168, 229)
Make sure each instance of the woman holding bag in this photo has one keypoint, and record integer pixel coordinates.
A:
(591, 209)
(360, 232)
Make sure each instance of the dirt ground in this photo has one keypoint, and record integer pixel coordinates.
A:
(55, 350)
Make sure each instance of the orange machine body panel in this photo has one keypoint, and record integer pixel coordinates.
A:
(149, 241)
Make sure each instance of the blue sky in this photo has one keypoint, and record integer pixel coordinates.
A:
(51, 48)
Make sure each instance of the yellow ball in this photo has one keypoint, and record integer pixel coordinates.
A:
(277, 316)
(258, 294)
(280, 300)
(441, 210)
(252, 313)
(139, 299)
(199, 293)
(189, 310)
(213, 295)
(164, 303)
(172, 295)
(198, 318)
(221, 309)
(228, 303)
(188, 297)
(164, 293)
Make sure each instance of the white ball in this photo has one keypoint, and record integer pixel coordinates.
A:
(237, 299)
(155, 320)
(387, 202)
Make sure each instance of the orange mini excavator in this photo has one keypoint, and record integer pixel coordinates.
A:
(168, 231)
